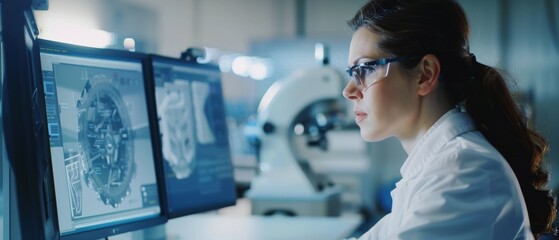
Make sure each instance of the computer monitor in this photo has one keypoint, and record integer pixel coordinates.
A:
(101, 124)
(194, 137)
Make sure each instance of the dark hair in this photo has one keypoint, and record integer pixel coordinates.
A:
(440, 27)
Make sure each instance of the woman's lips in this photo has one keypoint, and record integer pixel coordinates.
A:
(359, 116)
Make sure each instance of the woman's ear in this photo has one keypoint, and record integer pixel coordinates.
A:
(430, 69)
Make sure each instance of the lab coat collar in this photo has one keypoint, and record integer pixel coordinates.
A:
(452, 124)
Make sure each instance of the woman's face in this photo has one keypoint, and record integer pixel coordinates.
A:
(388, 107)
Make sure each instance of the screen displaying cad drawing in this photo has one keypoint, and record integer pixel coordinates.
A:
(100, 141)
(194, 137)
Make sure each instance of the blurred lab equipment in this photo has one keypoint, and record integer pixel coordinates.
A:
(293, 119)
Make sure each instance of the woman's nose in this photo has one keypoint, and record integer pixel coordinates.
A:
(351, 92)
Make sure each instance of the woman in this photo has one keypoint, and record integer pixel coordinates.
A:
(474, 168)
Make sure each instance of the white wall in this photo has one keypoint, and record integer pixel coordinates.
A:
(328, 18)
(126, 20)
(85, 13)
(483, 16)
(223, 24)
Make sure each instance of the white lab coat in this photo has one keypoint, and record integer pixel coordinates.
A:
(455, 185)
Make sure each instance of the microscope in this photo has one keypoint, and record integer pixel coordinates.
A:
(293, 119)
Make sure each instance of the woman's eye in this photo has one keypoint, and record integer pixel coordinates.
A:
(367, 70)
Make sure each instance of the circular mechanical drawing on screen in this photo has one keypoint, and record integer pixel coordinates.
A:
(105, 140)
(177, 129)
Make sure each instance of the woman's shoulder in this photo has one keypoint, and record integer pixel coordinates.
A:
(470, 144)
(472, 164)
(472, 151)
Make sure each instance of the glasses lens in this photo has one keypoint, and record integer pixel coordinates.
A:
(353, 73)
(365, 75)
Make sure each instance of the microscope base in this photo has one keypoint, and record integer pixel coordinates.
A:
(325, 203)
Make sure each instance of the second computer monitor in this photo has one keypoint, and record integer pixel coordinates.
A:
(194, 137)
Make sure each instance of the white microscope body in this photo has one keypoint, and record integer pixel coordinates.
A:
(286, 183)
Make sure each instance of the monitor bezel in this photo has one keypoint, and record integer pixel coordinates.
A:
(24, 133)
(189, 64)
(113, 54)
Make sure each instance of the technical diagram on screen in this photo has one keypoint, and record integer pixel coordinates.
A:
(100, 139)
(177, 128)
(194, 138)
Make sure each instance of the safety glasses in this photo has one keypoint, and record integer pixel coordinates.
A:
(364, 75)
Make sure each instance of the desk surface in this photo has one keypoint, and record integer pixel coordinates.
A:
(214, 227)
(232, 227)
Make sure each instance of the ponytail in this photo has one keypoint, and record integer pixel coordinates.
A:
(497, 117)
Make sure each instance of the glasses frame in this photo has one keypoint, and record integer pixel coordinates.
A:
(360, 83)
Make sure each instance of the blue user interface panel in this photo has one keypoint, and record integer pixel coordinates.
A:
(100, 142)
(194, 138)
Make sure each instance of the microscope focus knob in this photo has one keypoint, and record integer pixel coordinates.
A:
(268, 127)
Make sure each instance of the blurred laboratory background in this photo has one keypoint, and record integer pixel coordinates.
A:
(258, 43)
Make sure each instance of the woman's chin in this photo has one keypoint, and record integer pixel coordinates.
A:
(372, 135)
